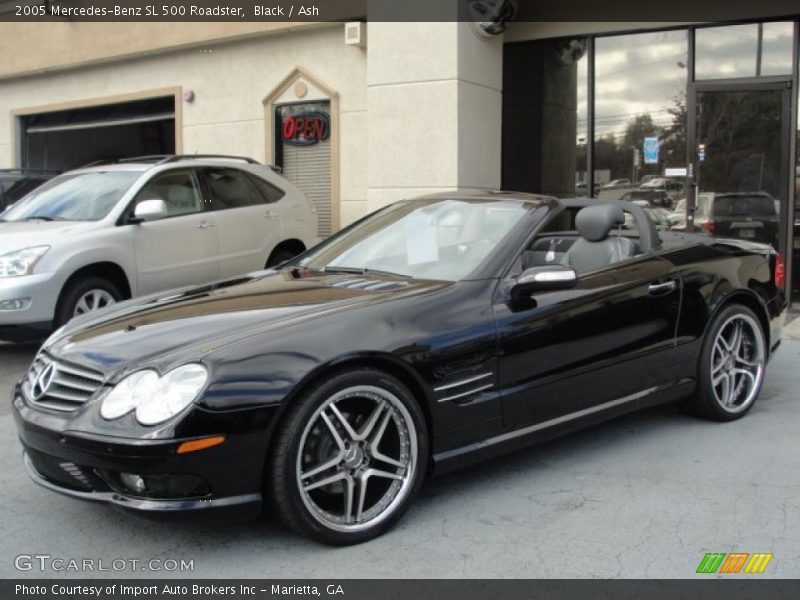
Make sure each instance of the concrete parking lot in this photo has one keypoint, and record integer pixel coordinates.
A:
(644, 496)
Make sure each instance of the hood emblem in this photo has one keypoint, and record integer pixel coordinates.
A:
(43, 381)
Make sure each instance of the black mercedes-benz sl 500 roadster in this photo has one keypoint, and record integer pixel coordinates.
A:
(433, 333)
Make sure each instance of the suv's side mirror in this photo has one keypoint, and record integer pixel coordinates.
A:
(544, 278)
(149, 210)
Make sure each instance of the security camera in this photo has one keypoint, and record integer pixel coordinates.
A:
(491, 17)
(572, 52)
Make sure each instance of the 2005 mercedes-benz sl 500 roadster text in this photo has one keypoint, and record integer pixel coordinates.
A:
(431, 334)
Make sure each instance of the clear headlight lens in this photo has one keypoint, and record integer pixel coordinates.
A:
(21, 262)
(155, 399)
(176, 390)
(128, 394)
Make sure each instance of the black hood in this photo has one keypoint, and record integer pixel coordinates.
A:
(191, 323)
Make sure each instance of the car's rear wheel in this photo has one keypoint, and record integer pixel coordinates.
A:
(85, 296)
(732, 364)
(349, 458)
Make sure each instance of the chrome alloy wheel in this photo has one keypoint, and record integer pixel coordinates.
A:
(93, 300)
(737, 363)
(358, 458)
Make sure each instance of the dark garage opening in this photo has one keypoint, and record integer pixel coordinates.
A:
(68, 139)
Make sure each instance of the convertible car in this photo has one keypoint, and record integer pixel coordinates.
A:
(431, 334)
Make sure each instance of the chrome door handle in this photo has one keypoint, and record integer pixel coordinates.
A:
(657, 289)
(204, 225)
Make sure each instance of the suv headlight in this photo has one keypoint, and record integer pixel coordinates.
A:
(21, 262)
(155, 399)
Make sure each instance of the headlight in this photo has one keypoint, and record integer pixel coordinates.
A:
(155, 399)
(21, 262)
(128, 394)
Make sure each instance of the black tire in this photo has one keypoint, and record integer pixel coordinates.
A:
(706, 401)
(76, 290)
(284, 477)
(280, 256)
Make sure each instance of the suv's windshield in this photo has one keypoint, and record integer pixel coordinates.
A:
(744, 206)
(74, 197)
(443, 240)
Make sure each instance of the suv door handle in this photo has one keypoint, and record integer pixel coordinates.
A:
(659, 289)
(205, 225)
(270, 214)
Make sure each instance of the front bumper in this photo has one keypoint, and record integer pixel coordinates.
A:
(41, 289)
(140, 504)
(89, 465)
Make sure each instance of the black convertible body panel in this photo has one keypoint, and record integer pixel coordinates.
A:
(491, 371)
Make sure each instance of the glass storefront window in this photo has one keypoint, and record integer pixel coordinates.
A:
(776, 53)
(795, 292)
(729, 51)
(582, 129)
(749, 50)
(640, 115)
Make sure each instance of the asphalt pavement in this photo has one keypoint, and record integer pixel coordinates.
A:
(644, 496)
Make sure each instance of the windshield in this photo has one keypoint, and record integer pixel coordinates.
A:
(74, 197)
(744, 206)
(444, 240)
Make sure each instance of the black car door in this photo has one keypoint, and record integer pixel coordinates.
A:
(606, 341)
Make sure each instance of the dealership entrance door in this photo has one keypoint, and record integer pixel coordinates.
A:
(743, 184)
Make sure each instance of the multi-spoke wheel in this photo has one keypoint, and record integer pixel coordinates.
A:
(732, 364)
(93, 300)
(349, 458)
(84, 296)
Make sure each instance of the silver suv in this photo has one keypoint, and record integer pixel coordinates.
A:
(96, 235)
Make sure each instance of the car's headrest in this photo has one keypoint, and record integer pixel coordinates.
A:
(595, 222)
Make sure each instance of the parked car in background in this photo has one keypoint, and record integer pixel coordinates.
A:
(745, 215)
(582, 189)
(663, 183)
(659, 216)
(15, 183)
(652, 197)
(91, 237)
(616, 184)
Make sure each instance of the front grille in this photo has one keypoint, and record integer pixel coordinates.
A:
(58, 385)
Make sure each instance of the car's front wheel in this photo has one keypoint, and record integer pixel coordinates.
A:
(732, 364)
(349, 458)
(84, 296)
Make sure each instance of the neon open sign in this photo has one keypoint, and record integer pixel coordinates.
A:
(305, 129)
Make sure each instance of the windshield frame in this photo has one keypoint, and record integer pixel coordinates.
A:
(491, 266)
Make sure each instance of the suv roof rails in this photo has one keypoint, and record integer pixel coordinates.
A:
(163, 159)
(176, 157)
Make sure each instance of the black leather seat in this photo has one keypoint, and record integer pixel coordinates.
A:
(595, 249)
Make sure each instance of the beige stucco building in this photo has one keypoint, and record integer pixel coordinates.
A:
(362, 114)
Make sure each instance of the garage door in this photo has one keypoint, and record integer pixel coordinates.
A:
(304, 154)
(71, 138)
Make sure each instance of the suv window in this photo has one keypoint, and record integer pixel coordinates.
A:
(178, 190)
(231, 188)
(744, 206)
(270, 192)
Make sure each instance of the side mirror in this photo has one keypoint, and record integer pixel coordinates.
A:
(544, 278)
(149, 210)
